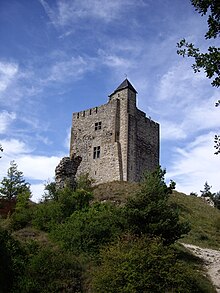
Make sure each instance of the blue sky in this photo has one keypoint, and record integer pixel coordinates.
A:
(64, 56)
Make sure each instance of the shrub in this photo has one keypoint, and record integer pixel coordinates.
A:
(12, 261)
(140, 264)
(51, 270)
(87, 230)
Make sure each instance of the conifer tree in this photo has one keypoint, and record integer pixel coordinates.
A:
(14, 184)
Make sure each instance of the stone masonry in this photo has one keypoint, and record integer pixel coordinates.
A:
(116, 141)
(65, 172)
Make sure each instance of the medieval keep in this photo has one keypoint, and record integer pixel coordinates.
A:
(116, 141)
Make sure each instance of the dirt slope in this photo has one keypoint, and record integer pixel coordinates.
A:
(211, 260)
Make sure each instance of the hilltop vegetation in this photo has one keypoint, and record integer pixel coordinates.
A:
(118, 237)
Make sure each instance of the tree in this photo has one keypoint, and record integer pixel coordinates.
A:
(216, 200)
(14, 183)
(149, 211)
(210, 60)
(206, 192)
(1, 149)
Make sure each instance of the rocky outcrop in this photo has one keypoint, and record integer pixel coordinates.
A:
(65, 172)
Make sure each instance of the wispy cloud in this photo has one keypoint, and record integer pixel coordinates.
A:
(68, 12)
(170, 130)
(8, 71)
(194, 164)
(114, 60)
(6, 118)
(73, 68)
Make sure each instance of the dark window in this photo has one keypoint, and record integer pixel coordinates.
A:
(77, 115)
(90, 111)
(98, 125)
(96, 152)
(96, 109)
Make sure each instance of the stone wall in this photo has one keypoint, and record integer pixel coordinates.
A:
(65, 172)
(85, 138)
(116, 140)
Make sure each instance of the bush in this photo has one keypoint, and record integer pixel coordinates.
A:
(47, 214)
(87, 230)
(12, 261)
(51, 270)
(140, 264)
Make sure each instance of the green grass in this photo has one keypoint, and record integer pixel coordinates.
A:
(204, 219)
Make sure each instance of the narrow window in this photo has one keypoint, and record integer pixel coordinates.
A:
(77, 115)
(96, 109)
(98, 125)
(90, 111)
(96, 152)
(83, 113)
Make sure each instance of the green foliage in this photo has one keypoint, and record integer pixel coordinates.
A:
(72, 201)
(217, 141)
(51, 212)
(51, 270)
(193, 194)
(149, 212)
(22, 215)
(85, 182)
(1, 149)
(208, 61)
(12, 261)
(87, 230)
(47, 214)
(211, 7)
(206, 192)
(50, 191)
(14, 183)
(142, 265)
(216, 200)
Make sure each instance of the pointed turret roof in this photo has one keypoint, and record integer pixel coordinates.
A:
(125, 84)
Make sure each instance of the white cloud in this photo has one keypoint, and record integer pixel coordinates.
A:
(187, 100)
(114, 61)
(196, 164)
(172, 131)
(14, 146)
(38, 167)
(202, 116)
(68, 12)
(37, 191)
(7, 73)
(5, 120)
(73, 68)
(181, 84)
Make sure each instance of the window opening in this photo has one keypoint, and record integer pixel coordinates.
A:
(96, 152)
(98, 125)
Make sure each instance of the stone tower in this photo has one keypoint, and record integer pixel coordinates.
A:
(116, 140)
